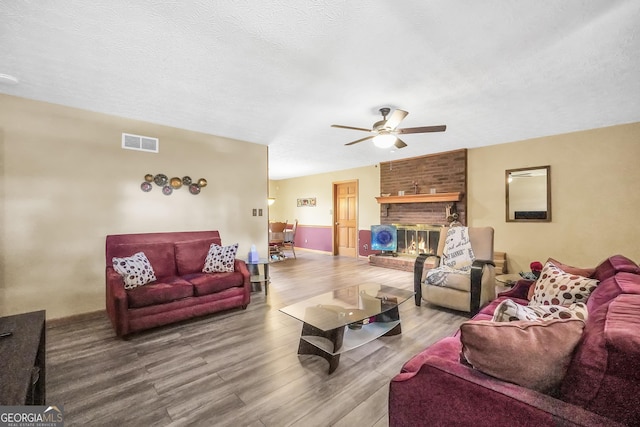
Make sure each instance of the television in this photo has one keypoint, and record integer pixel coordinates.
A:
(384, 238)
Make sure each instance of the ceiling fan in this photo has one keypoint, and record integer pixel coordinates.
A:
(386, 130)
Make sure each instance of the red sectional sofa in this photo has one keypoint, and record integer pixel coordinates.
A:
(600, 388)
(181, 291)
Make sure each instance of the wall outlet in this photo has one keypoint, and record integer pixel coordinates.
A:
(259, 212)
(255, 212)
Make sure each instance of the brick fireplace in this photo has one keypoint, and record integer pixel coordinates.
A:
(415, 239)
(434, 186)
(443, 172)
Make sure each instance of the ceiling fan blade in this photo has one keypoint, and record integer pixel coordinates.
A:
(359, 140)
(395, 119)
(350, 127)
(422, 129)
(400, 143)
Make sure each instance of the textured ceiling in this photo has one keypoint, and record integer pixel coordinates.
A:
(281, 72)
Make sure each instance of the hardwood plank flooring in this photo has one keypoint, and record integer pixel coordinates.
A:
(238, 368)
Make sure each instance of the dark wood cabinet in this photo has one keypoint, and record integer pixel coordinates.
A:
(23, 359)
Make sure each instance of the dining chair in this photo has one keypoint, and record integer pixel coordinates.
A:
(276, 239)
(290, 237)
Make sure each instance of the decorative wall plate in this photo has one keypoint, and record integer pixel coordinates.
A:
(168, 185)
(175, 182)
(160, 180)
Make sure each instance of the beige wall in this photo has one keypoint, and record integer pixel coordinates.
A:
(67, 183)
(595, 196)
(287, 191)
(595, 178)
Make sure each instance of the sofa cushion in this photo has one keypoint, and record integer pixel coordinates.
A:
(531, 354)
(510, 311)
(608, 289)
(220, 258)
(190, 255)
(585, 272)
(555, 287)
(456, 280)
(209, 283)
(160, 255)
(606, 366)
(135, 270)
(612, 265)
(160, 292)
(447, 348)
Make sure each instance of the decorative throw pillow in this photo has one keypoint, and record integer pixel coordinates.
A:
(555, 287)
(585, 272)
(220, 258)
(136, 270)
(535, 355)
(457, 253)
(510, 311)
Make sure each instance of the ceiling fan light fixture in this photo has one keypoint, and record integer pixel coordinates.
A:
(384, 140)
(383, 131)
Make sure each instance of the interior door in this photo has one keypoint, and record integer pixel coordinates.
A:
(345, 232)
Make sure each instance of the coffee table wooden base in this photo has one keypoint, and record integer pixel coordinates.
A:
(331, 344)
(335, 336)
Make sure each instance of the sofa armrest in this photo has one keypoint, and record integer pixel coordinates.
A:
(116, 301)
(423, 263)
(445, 392)
(520, 290)
(241, 266)
(478, 270)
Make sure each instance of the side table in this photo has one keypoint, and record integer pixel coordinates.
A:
(508, 279)
(256, 278)
(23, 356)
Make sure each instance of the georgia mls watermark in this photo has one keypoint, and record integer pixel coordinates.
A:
(31, 416)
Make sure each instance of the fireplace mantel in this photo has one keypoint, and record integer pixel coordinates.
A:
(422, 198)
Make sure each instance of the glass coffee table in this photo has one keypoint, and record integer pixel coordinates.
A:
(344, 319)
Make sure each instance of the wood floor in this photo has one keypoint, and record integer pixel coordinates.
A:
(238, 368)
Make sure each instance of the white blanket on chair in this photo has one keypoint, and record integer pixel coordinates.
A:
(457, 257)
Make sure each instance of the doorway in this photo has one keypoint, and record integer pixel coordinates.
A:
(345, 218)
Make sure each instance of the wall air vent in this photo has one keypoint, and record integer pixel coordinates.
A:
(140, 143)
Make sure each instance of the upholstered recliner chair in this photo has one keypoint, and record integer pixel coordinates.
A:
(458, 290)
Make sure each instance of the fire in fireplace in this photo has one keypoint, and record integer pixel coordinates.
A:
(415, 239)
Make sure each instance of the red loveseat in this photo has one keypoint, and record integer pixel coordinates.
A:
(181, 291)
(600, 388)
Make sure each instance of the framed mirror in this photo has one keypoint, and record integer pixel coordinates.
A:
(528, 194)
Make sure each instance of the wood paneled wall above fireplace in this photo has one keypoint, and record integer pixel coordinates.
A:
(444, 172)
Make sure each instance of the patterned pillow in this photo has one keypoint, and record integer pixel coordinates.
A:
(510, 311)
(586, 272)
(458, 253)
(555, 287)
(136, 270)
(220, 258)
